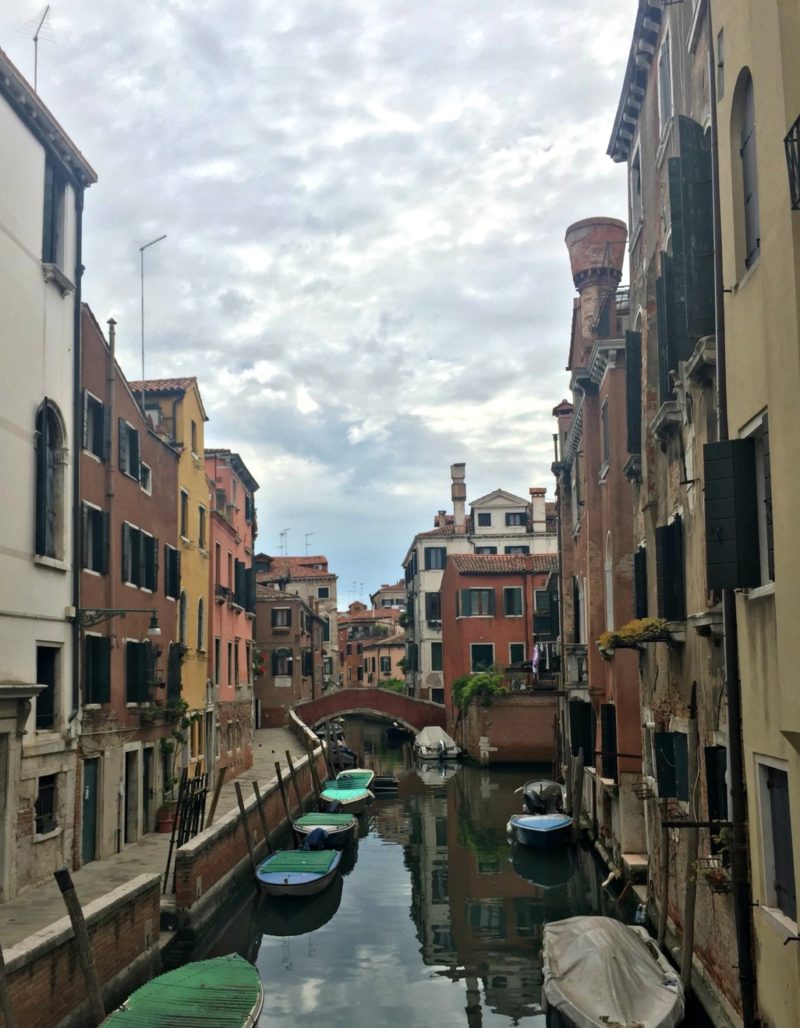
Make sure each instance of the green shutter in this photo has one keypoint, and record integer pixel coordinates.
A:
(633, 390)
(662, 329)
(466, 603)
(679, 346)
(581, 730)
(731, 508)
(640, 582)
(672, 764)
(85, 441)
(105, 527)
(768, 500)
(697, 231)
(608, 741)
(84, 536)
(670, 571)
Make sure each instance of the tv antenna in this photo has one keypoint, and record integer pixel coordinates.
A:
(308, 536)
(36, 47)
(284, 542)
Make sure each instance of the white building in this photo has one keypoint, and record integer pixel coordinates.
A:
(499, 522)
(42, 181)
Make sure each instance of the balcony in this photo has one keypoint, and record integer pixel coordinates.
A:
(221, 593)
(577, 664)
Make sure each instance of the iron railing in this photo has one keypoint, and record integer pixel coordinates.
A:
(792, 145)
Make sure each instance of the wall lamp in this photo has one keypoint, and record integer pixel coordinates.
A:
(86, 617)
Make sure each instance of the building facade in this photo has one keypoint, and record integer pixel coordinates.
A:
(41, 206)
(360, 630)
(389, 595)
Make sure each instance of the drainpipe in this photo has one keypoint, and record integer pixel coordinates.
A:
(563, 707)
(692, 843)
(742, 902)
(77, 541)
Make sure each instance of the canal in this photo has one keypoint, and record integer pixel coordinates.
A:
(432, 897)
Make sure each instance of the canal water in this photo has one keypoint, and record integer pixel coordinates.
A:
(436, 920)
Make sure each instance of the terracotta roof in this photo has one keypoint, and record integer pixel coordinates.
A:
(503, 563)
(287, 575)
(398, 639)
(164, 385)
(381, 614)
(266, 594)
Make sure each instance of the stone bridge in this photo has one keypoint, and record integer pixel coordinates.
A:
(413, 714)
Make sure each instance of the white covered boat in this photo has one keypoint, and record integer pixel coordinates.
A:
(600, 972)
(433, 743)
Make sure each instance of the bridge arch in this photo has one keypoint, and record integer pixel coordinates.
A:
(406, 710)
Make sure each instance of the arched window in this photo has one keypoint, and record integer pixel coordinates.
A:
(745, 173)
(182, 620)
(201, 625)
(609, 580)
(51, 456)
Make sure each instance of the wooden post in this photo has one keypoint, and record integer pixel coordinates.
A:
(5, 996)
(283, 793)
(577, 794)
(95, 995)
(312, 766)
(245, 824)
(263, 815)
(294, 781)
(175, 823)
(215, 798)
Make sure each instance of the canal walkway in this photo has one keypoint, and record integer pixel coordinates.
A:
(36, 909)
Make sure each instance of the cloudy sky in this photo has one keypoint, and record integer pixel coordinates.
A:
(365, 204)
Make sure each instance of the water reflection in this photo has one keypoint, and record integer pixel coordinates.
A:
(438, 900)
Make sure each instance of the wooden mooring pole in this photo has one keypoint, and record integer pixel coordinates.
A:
(283, 792)
(263, 815)
(5, 996)
(245, 824)
(215, 798)
(294, 781)
(312, 767)
(94, 992)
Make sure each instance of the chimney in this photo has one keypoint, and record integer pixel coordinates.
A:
(596, 252)
(563, 411)
(538, 512)
(440, 521)
(459, 494)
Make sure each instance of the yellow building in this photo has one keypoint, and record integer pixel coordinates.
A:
(175, 405)
(758, 104)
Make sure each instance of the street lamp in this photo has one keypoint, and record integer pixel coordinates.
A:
(87, 617)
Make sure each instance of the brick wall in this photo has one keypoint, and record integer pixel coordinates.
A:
(44, 976)
(521, 728)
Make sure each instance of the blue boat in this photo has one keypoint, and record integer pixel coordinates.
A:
(540, 830)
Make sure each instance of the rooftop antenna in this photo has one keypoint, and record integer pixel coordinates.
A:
(285, 542)
(141, 260)
(308, 536)
(36, 47)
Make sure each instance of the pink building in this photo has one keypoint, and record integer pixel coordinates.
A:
(232, 531)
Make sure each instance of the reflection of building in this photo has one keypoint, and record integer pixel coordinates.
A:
(289, 641)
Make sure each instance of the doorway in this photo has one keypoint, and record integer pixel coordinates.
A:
(89, 811)
(131, 812)
(148, 789)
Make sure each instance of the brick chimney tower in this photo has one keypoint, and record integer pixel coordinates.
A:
(596, 253)
(538, 510)
(459, 494)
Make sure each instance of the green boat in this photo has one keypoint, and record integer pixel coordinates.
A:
(339, 828)
(224, 992)
(347, 796)
(357, 776)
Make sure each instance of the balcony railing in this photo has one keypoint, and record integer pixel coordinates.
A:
(792, 145)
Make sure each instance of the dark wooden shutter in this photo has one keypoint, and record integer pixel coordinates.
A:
(670, 572)
(84, 536)
(105, 528)
(433, 606)
(154, 565)
(174, 672)
(716, 761)
(49, 214)
(127, 572)
(672, 764)
(106, 451)
(582, 730)
(124, 450)
(85, 441)
(731, 508)
(98, 669)
(750, 176)
(466, 603)
(608, 741)
(640, 582)
(491, 608)
(662, 327)
(633, 390)
(42, 498)
(768, 500)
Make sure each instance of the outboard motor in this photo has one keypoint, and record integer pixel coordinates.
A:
(315, 840)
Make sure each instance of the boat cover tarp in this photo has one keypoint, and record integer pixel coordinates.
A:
(600, 973)
(430, 737)
(315, 818)
(305, 861)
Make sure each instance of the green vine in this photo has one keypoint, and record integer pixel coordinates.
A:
(478, 688)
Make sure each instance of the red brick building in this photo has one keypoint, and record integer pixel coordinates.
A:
(129, 483)
(359, 628)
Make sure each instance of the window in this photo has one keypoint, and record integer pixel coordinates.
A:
(45, 808)
(516, 519)
(46, 675)
(201, 625)
(435, 558)
(672, 764)
(97, 686)
(743, 137)
(386, 665)
(516, 653)
(281, 663)
(307, 664)
(475, 603)
(129, 462)
(236, 676)
(669, 571)
(53, 221)
(635, 190)
(516, 549)
(281, 617)
(608, 572)
(664, 87)
(230, 664)
(201, 528)
(137, 671)
(172, 572)
(545, 615)
(512, 601)
(326, 630)
(481, 656)
(184, 514)
(436, 656)
(323, 592)
(776, 828)
(217, 659)
(484, 519)
(95, 430)
(640, 582)
(50, 461)
(146, 479)
(94, 539)
(433, 606)
(605, 432)
(576, 498)
(139, 558)
(412, 657)
(194, 438)
(486, 549)
(608, 741)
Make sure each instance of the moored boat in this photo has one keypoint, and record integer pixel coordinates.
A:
(540, 830)
(298, 872)
(349, 797)
(362, 776)
(598, 971)
(433, 743)
(224, 992)
(543, 796)
(339, 829)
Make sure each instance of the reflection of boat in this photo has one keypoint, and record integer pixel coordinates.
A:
(599, 971)
(543, 796)
(228, 989)
(544, 868)
(437, 773)
(362, 776)
(433, 743)
(339, 828)
(397, 732)
(287, 915)
(349, 797)
(540, 830)
(298, 872)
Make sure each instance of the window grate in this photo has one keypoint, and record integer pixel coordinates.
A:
(45, 807)
(792, 145)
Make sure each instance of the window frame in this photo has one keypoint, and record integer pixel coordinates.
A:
(516, 519)
(431, 562)
(484, 519)
(480, 646)
(771, 888)
(508, 591)
(129, 448)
